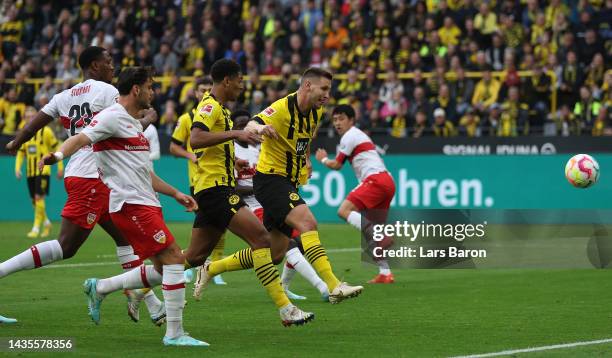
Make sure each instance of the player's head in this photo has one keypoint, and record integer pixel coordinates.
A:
(343, 118)
(97, 63)
(136, 83)
(316, 83)
(240, 118)
(227, 78)
(202, 85)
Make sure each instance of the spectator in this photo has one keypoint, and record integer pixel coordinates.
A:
(165, 61)
(441, 126)
(469, 123)
(586, 109)
(486, 92)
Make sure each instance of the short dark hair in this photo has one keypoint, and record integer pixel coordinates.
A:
(237, 114)
(224, 68)
(206, 80)
(89, 55)
(131, 76)
(313, 72)
(344, 109)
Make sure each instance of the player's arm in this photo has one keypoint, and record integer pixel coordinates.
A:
(68, 148)
(19, 163)
(257, 126)
(28, 131)
(53, 144)
(177, 142)
(177, 150)
(334, 164)
(201, 137)
(160, 186)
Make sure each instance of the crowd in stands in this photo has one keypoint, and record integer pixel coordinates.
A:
(407, 64)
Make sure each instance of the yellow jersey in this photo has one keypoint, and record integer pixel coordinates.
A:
(12, 113)
(216, 163)
(286, 156)
(41, 144)
(181, 136)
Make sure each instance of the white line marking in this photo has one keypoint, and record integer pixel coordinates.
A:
(109, 263)
(538, 349)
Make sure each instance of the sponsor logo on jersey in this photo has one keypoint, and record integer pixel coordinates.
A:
(160, 237)
(207, 109)
(269, 111)
(234, 199)
(294, 196)
(93, 123)
(91, 218)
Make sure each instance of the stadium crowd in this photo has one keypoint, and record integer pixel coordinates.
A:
(410, 68)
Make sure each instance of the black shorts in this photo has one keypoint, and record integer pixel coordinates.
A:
(217, 206)
(278, 197)
(38, 185)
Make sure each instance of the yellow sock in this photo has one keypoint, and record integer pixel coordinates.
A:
(39, 212)
(268, 276)
(240, 260)
(315, 253)
(217, 252)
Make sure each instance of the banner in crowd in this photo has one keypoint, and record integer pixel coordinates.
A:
(422, 181)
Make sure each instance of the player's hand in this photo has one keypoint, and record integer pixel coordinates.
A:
(12, 147)
(149, 116)
(187, 201)
(320, 154)
(241, 164)
(248, 137)
(48, 159)
(268, 131)
(193, 158)
(18, 174)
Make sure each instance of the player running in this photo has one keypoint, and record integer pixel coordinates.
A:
(88, 197)
(122, 155)
(220, 207)
(43, 142)
(289, 125)
(376, 187)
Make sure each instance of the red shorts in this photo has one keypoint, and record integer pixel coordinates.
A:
(144, 227)
(87, 202)
(259, 212)
(375, 192)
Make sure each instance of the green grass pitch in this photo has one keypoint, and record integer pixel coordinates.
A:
(425, 313)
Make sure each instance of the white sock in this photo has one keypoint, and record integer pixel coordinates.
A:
(38, 255)
(143, 276)
(287, 275)
(129, 261)
(354, 219)
(301, 265)
(47, 222)
(174, 297)
(383, 267)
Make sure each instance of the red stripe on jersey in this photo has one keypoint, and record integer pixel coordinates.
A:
(36, 256)
(133, 144)
(65, 121)
(143, 276)
(340, 158)
(131, 264)
(363, 147)
(80, 123)
(178, 286)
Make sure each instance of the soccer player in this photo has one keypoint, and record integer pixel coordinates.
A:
(122, 155)
(220, 207)
(180, 147)
(88, 197)
(289, 125)
(376, 187)
(43, 142)
(295, 261)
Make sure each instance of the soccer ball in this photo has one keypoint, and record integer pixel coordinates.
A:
(582, 171)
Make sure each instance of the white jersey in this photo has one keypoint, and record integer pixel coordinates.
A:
(76, 107)
(361, 152)
(122, 155)
(244, 178)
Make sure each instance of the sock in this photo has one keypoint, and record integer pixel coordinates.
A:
(301, 265)
(287, 275)
(45, 218)
(174, 297)
(268, 276)
(354, 219)
(128, 261)
(143, 276)
(317, 257)
(217, 252)
(37, 256)
(39, 213)
(240, 260)
(383, 267)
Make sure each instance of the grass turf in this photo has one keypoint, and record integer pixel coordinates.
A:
(425, 313)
